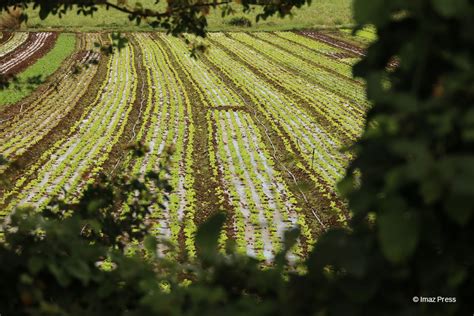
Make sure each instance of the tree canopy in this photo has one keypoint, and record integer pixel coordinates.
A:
(177, 16)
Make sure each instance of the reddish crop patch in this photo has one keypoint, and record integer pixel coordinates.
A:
(335, 42)
(28, 53)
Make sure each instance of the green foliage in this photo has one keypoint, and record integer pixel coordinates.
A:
(44, 258)
(413, 171)
(240, 21)
(176, 17)
(71, 259)
(398, 233)
(81, 247)
(207, 241)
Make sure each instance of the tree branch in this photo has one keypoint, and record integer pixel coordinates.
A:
(154, 14)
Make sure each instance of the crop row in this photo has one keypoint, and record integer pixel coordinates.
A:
(74, 159)
(46, 110)
(216, 91)
(13, 43)
(342, 115)
(326, 60)
(318, 47)
(300, 129)
(322, 77)
(36, 43)
(263, 205)
(167, 129)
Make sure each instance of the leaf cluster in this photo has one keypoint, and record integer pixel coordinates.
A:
(177, 17)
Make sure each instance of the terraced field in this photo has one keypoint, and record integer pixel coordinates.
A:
(254, 127)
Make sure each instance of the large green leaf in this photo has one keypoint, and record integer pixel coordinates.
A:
(449, 8)
(397, 234)
(207, 236)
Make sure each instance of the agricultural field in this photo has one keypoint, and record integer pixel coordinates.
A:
(255, 127)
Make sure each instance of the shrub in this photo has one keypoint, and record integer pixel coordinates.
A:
(240, 21)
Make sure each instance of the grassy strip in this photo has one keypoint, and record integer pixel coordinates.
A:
(31, 78)
(321, 13)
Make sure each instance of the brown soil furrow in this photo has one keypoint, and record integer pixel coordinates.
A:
(207, 202)
(230, 227)
(119, 150)
(343, 55)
